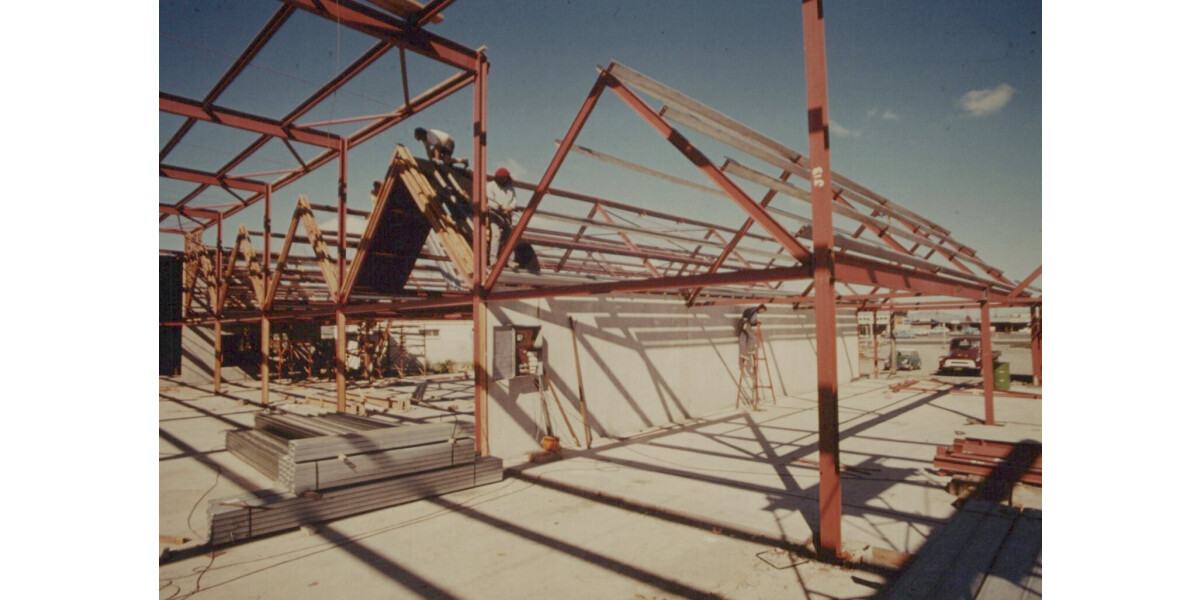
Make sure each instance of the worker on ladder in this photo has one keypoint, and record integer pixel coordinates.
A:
(748, 337)
(749, 355)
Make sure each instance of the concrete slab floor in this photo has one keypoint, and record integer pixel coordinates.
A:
(673, 513)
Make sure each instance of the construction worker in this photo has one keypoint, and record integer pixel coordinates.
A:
(439, 146)
(747, 338)
(501, 199)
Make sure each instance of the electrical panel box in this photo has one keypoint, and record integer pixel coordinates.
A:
(515, 351)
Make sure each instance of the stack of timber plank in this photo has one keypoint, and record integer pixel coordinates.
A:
(335, 465)
(416, 180)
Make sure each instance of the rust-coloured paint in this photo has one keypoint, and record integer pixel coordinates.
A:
(830, 487)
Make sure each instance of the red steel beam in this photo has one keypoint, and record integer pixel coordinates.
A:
(857, 270)
(816, 86)
(179, 105)
(427, 99)
(672, 135)
(273, 24)
(654, 284)
(985, 329)
(544, 185)
(195, 176)
(1025, 283)
(383, 26)
(351, 70)
(186, 211)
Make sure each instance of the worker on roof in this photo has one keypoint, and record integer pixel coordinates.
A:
(439, 146)
(501, 199)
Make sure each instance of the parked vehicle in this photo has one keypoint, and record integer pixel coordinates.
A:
(965, 353)
(906, 360)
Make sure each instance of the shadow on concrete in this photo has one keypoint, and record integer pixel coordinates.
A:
(969, 553)
(617, 567)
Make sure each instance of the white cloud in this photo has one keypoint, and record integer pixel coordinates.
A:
(978, 103)
(839, 131)
(888, 115)
(354, 224)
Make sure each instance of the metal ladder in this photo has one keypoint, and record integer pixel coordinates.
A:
(748, 386)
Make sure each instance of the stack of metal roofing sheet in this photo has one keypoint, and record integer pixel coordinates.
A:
(345, 469)
(235, 519)
(260, 449)
(336, 465)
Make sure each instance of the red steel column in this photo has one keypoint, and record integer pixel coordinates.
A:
(218, 350)
(875, 343)
(985, 354)
(341, 341)
(1035, 339)
(830, 489)
(478, 308)
(264, 353)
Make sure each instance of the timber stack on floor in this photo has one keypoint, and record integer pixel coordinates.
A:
(335, 465)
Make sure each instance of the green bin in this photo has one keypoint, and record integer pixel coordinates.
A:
(1001, 376)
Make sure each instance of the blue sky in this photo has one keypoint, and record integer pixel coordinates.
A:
(936, 105)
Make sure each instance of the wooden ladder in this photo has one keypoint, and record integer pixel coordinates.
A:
(749, 378)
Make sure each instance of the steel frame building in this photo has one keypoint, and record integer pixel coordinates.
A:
(908, 262)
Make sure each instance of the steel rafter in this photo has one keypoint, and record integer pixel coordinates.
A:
(383, 26)
(260, 40)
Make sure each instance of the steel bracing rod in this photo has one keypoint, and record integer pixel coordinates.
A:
(654, 272)
(697, 158)
(637, 210)
(544, 185)
(738, 136)
(737, 237)
(844, 209)
(636, 230)
(273, 24)
(602, 157)
(558, 240)
(680, 103)
(1025, 283)
(192, 109)
(739, 140)
(383, 26)
(425, 100)
(576, 238)
(351, 70)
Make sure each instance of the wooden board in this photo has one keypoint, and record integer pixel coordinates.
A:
(391, 241)
(415, 177)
